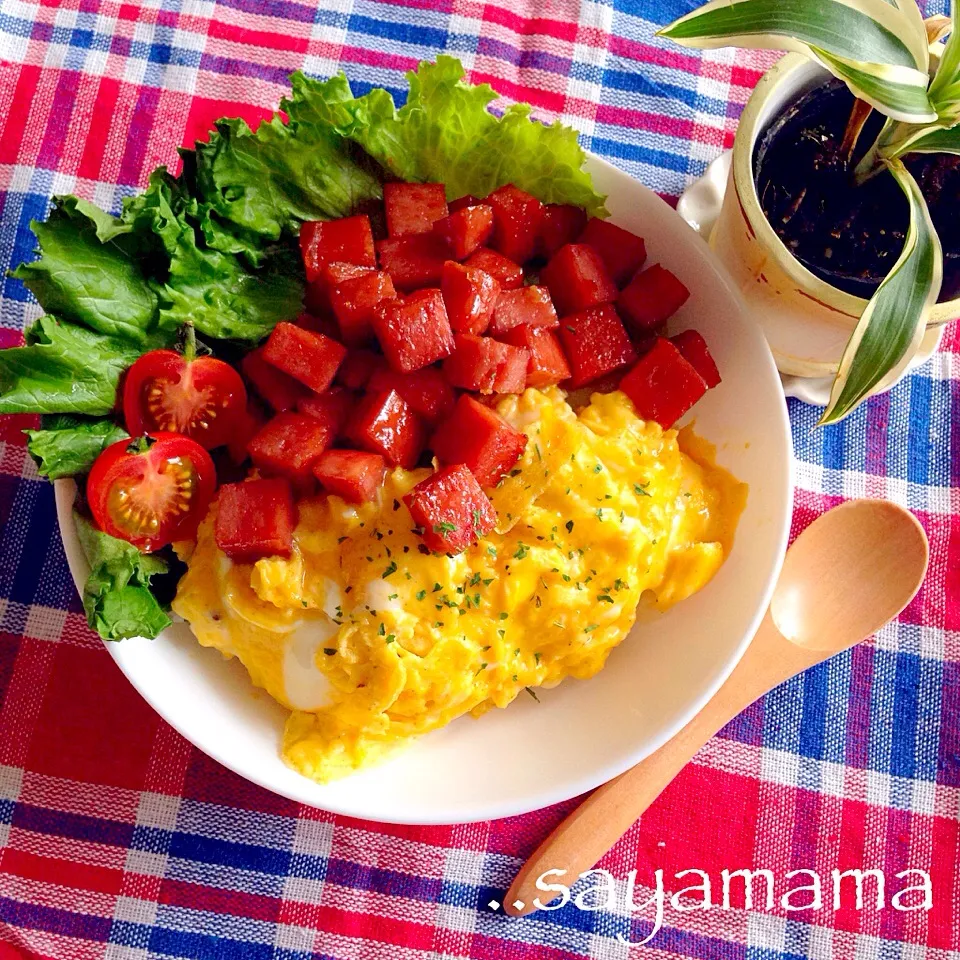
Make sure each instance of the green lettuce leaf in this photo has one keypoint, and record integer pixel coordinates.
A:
(82, 279)
(226, 300)
(216, 245)
(223, 296)
(65, 368)
(269, 182)
(66, 445)
(444, 132)
(116, 596)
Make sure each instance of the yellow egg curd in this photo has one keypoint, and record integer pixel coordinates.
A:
(369, 639)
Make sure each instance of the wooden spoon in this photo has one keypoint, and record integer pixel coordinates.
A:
(849, 573)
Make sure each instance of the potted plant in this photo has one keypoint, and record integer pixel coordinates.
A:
(844, 174)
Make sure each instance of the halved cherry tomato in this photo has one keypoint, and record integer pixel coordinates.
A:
(201, 397)
(152, 490)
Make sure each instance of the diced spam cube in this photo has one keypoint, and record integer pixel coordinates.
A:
(279, 390)
(319, 323)
(311, 358)
(577, 279)
(385, 423)
(651, 298)
(451, 510)
(332, 407)
(642, 342)
(595, 342)
(427, 391)
(470, 295)
(413, 332)
(466, 230)
(249, 422)
(414, 261)
(516, 222)
(479, 437)
(318, 291)
(358, 367)
(528, 306)
(663, 385)
(354, 475)
(547, 362)
(512, 373)
(580, 397)
(288, 445)
(467, 200)
(315, 299)
(474, 363)
(353, 301)
(337, 271)
(348, 240)
(255, 519)
(378, 217)
(507, 273)
(693, 348)
(561, 224)
(413, 208)
(622, 252)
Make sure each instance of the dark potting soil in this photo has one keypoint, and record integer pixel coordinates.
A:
(848, 235)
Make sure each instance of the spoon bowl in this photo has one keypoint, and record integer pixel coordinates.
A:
(849, 573)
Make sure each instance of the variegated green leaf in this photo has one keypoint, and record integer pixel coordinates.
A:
(878, 49)
(913, 16)
(897, 92)
(868, 31)
(930, 140)
(945, 87)
(926, 138)
(887, 335)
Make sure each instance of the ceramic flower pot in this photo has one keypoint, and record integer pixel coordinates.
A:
(807, 321)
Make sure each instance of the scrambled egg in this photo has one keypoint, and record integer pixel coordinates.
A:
(369, 639)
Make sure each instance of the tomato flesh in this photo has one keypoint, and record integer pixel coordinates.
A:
(152, 490)
(203, 398)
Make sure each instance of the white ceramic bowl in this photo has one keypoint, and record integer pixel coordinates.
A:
(581, 733)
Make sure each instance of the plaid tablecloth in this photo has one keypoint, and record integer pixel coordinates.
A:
(119, 840)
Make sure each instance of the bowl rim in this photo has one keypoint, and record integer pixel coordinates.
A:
(65, 495)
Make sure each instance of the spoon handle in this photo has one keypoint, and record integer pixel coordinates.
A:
(579, 841)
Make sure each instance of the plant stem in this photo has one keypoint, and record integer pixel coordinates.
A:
(870, 164)
(189, 335)
(858, 117)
